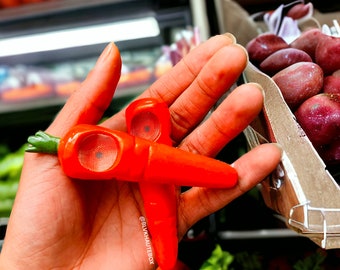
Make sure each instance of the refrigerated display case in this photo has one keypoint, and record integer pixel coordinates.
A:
(56, 43)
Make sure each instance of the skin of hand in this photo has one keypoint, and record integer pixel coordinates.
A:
(63, 223)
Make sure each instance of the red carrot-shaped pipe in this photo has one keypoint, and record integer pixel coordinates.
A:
(150, 119)
(94, 152)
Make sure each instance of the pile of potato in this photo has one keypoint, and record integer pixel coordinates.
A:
(307, 71)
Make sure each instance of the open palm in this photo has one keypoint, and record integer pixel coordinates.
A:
(63, 223)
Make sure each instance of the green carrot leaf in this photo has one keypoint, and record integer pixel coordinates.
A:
(42, 142)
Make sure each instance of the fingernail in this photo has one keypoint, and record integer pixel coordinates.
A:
(279, 146)
(230, 36)
(259, 87)
(106, 52)
(244, 49)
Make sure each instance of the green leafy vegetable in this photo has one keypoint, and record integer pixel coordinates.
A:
(10, 170)
(219, 260)
(312, 262)
(248, 261)
(11, 164)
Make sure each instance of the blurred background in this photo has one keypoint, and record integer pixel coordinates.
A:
(48, 47)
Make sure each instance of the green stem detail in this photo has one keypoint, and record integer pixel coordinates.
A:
(42, 142)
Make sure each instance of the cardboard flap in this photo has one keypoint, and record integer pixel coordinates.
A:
(301, 189)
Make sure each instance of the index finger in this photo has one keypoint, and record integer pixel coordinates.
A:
(172, 84)
(88, 103)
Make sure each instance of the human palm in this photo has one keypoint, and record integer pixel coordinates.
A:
(63, 223)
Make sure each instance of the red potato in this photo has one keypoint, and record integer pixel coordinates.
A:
(330, 154)
(327, 54)
(319, 117)
(282, 59)
(298, 11)
(307, 41)
(299, 82)
(264, 45)
(331, 84)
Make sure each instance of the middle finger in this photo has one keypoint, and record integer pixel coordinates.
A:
(175, 82)
(215, 78)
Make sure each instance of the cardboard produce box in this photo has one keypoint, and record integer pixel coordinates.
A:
(301, 189)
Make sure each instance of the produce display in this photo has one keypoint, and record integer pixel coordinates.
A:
(10, 170)
(306, 68)
(22, 83)
(223, 259)
(26, 83)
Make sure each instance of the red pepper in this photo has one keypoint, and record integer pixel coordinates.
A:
(150, 119)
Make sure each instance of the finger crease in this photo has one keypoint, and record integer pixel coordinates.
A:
(181, 123)
(206, 91)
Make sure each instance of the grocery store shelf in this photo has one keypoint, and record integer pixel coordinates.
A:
(26, 22)
(44, 110)
(80, 36)
(53, 7)
(256, 234)
(12, 107)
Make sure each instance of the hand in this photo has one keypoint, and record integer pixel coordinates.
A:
(57, 222)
